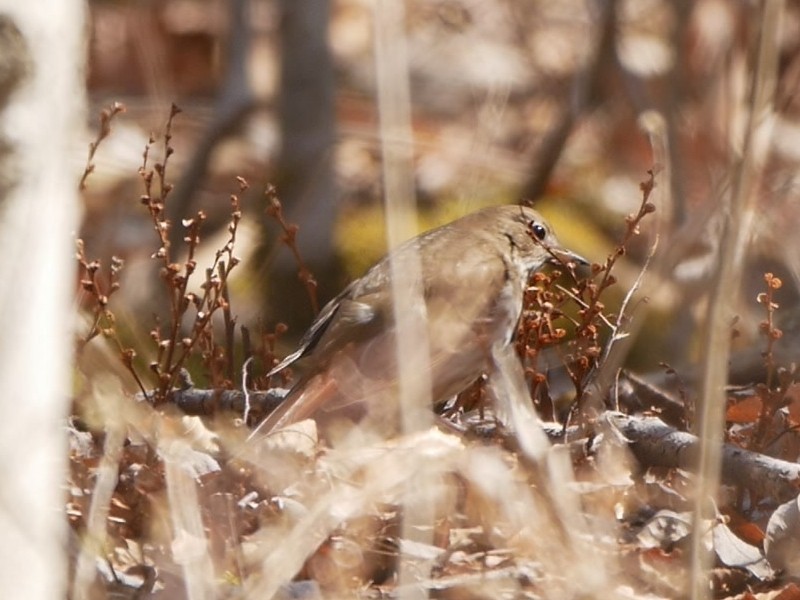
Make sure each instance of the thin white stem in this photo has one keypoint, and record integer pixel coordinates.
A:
(721, 303)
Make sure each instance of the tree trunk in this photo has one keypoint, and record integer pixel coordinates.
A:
(304, 178)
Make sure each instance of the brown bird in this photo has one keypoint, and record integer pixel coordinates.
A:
(474, 272)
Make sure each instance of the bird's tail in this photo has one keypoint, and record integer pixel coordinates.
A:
(301, 403)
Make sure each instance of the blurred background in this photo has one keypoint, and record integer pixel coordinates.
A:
(564, 103)
(567, 104)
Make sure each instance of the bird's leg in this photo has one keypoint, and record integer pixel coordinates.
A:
(512, 402)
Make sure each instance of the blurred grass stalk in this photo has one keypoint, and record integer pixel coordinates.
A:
(397, 148)
(747, 171)
(42, 110)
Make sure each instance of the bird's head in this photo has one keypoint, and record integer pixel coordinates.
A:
(533, 242)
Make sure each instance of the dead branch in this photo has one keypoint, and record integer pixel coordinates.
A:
(656, 444)
(584, 97)
(205, 402)
(636, 395)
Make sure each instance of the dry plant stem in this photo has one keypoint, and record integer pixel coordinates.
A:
(127, 355)
(214, 288)
(394, 105)
(162, 228)
(275, 210)
(734, 239)
(538, 329)
(626, 330)
(106, 116)
(216, 294)
(161, 168)
(103, 320)
(397, 147)
(549, 467)
(228, 319)
(584, 368)
(155, 206)
(94, 543)
(177, 289)
(772, 333)
(624, 335)
(269, 342)
(173, 351)
(655, 126)
(189, 535)
(772, 396)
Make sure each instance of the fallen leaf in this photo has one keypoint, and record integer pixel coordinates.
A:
(734, 552)
(744, 411)
(782, 541)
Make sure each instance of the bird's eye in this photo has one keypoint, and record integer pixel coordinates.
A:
(539, 231)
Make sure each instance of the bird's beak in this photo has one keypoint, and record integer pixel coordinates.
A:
(562, 256)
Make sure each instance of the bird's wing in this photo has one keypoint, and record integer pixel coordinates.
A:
(349, 316)
(343, 320)
(311, 337)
